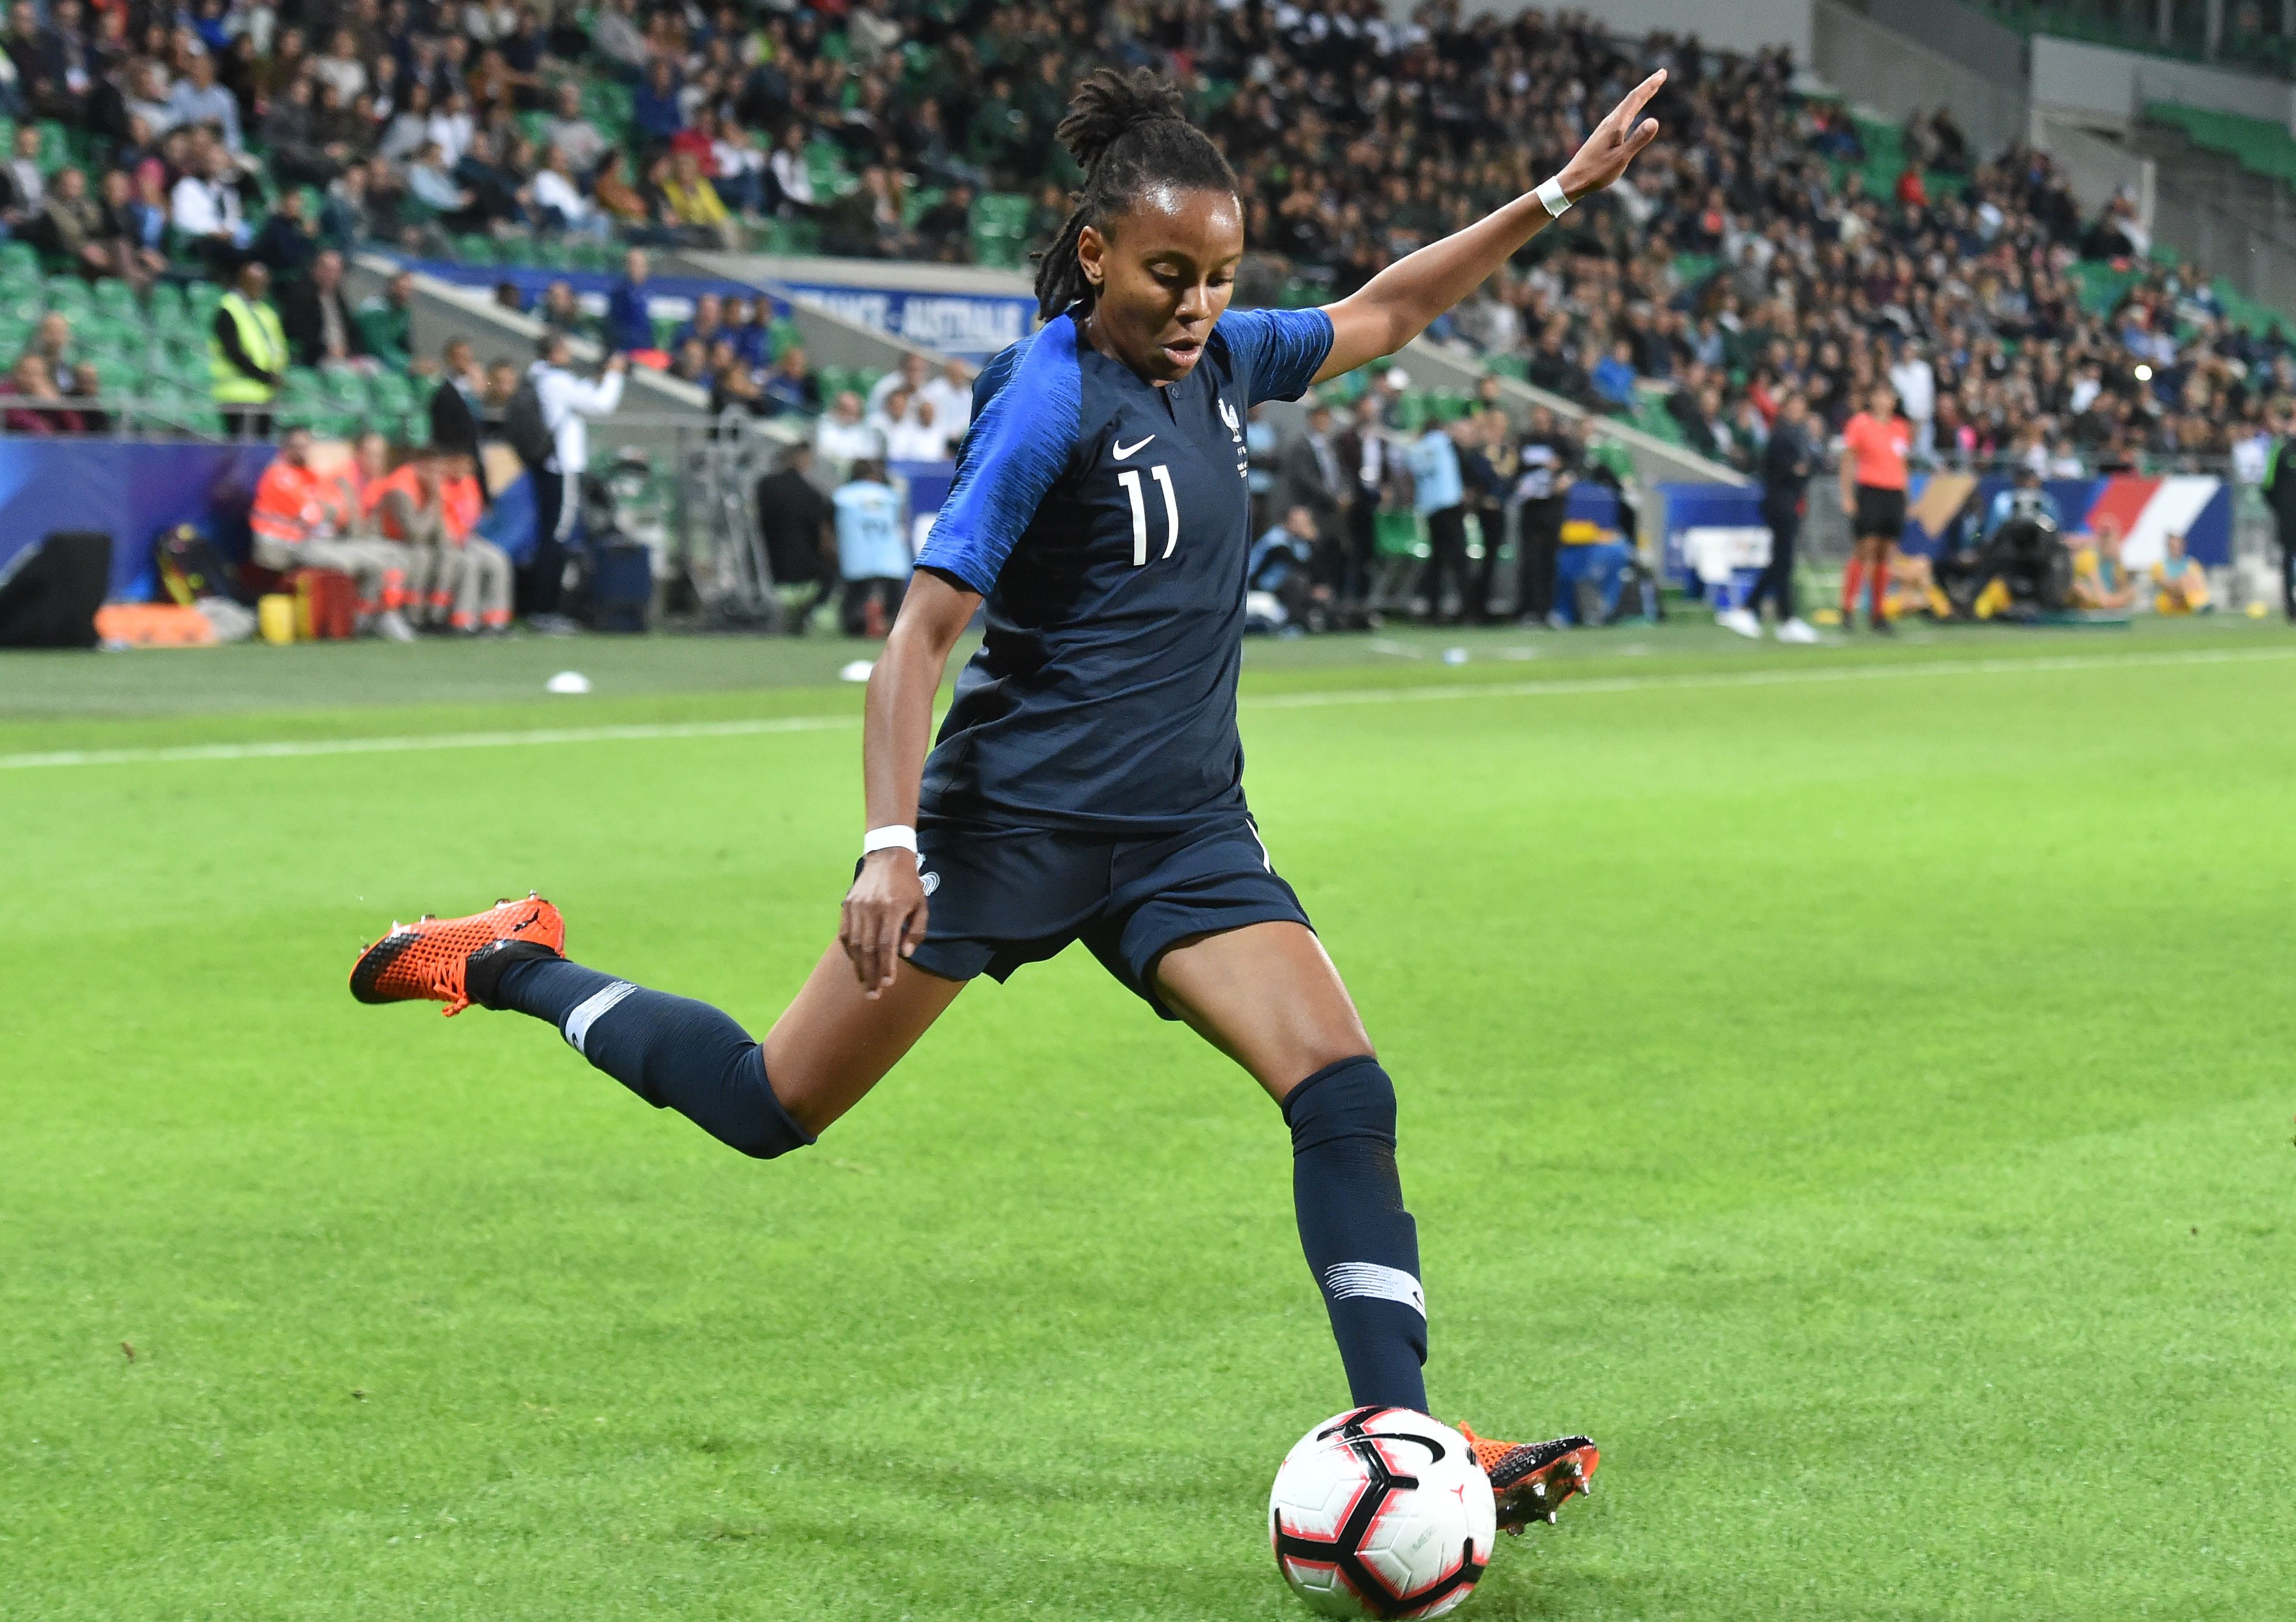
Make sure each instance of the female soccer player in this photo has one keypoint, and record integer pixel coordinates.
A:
(1087, 784)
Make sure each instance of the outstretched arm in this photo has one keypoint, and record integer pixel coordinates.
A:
(884, 914)
(1397, 305)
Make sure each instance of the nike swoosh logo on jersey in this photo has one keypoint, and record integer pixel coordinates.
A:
(1123, 453)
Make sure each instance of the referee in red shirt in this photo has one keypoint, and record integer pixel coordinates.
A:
(1874, 447)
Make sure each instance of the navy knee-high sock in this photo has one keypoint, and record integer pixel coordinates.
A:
(674, 1052)
(1361, 1243)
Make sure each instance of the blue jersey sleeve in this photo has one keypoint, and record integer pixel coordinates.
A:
(1277, 351)
(1024, 428)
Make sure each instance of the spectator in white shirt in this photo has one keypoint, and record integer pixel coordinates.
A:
(451, 127)
(950, 396)
(562, 200)
(409, 130)
(489, 24)
(616, 35)
(432, 185)
(197, 99)
(204, 208)
(843, 439)
(794, 180)
(567, 402)
(572, 132)
(906, 424)
(911, 375)
(26, 179)
(147, 96)
(341, 67)
(1916, 386)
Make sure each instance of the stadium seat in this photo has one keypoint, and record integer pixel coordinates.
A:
(68, 294)
(118, 300)
(1000, 228)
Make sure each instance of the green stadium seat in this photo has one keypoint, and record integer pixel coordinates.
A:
(793, 236)
(392, 395)
(825, 166)
(914, 204)
(1000, 228)
(68, 294)
(473, 248)
(1448, 406)
(116, 299)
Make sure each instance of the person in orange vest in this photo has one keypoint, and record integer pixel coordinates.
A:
(359, 489)
(433, 505)
(303, 518)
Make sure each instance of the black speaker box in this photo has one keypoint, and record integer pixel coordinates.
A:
(49, 592)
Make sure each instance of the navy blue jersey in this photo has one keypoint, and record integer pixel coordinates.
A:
(1106, 520)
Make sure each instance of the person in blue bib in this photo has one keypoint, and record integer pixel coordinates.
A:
(873, 549)
(1087, 781)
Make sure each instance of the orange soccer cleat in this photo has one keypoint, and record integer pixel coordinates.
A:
(430, 960)
(1533, 1480)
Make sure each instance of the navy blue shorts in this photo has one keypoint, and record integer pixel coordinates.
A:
(1004, 896)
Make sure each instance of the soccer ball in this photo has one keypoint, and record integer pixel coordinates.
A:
(1381, 1512)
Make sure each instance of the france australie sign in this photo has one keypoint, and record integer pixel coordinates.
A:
(974, 326)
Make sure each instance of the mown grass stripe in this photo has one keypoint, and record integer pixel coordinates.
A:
(1559, 686)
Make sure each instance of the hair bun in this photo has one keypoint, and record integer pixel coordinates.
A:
(1107, 105)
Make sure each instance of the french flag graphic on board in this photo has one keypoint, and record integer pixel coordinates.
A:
(2149, 511)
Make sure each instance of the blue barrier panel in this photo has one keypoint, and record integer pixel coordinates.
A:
(1701, 507)
(130, 489)
(926, 485)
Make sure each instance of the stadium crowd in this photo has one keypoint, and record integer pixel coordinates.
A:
(1739, 263)
(251, 144)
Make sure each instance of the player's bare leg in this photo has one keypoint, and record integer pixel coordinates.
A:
(829, 1048)
(1268, 996)
(833, 1043)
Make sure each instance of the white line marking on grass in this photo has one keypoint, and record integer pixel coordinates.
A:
(296, 748)
(1783, 678)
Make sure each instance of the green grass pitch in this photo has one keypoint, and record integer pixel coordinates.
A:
(1853, 1084)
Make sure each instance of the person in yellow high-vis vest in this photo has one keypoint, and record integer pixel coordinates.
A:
(246, 354)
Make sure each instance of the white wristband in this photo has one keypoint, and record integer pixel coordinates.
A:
(1551, 193)
(895, 835)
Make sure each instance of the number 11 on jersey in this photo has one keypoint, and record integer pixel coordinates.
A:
(1130, 480)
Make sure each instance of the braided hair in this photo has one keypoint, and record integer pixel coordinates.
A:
(1127, 134)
